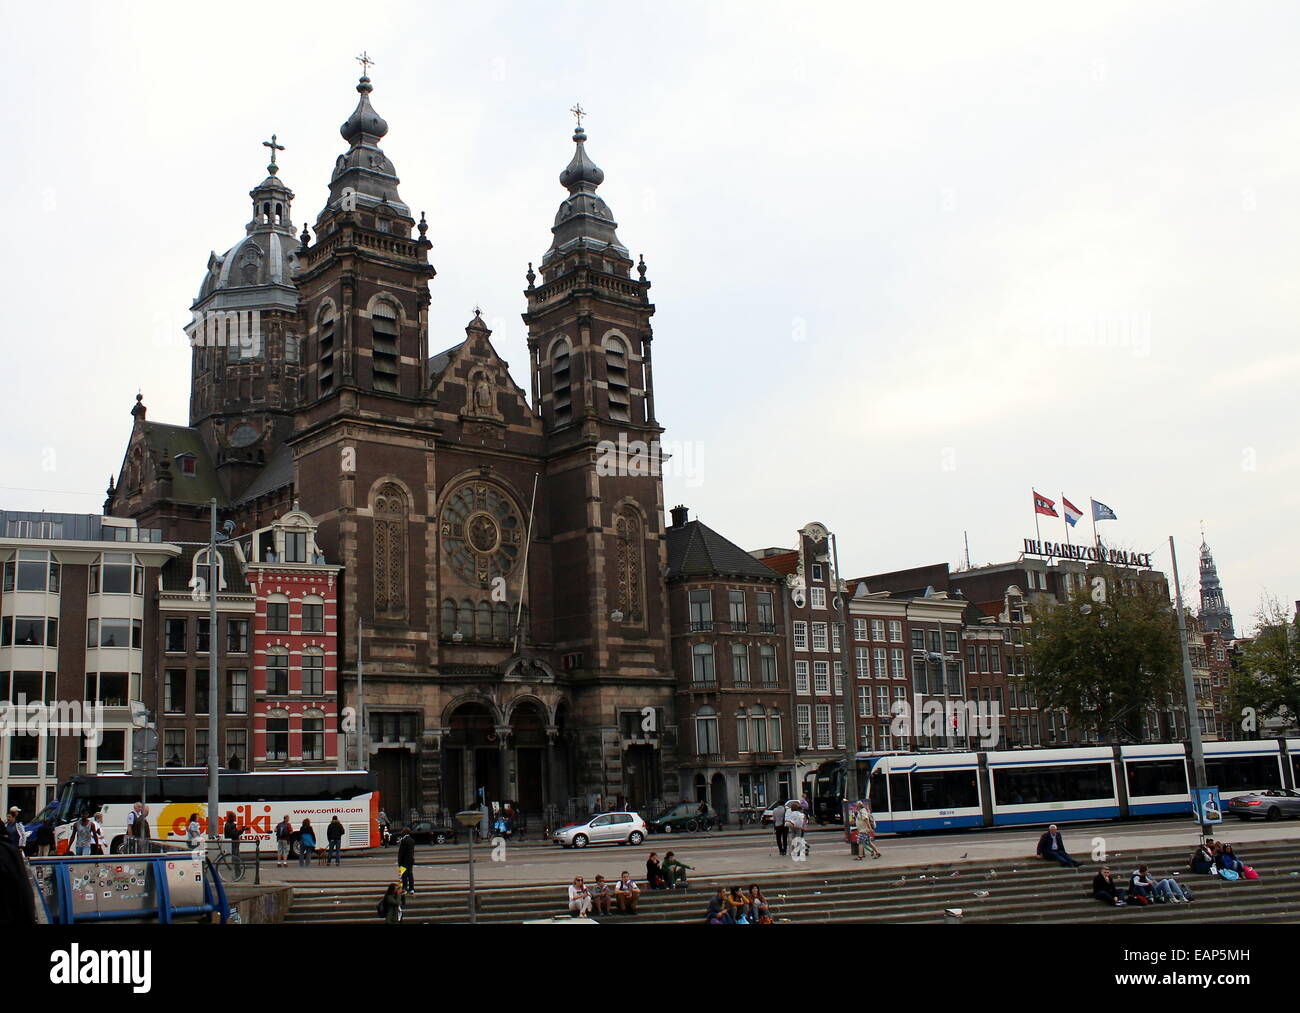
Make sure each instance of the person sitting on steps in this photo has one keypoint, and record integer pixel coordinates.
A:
(1051, 847)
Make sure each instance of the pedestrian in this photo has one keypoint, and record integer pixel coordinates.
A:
(1051, 847)
(796, 820)
(98, 847)
(83, 835)
(627, 893)
(233, 832)
(45, 837)
(283, 840)
(601, 896)
(14, 829)
(579, 898)
(143, 834)
(383, 828)
(193, 832)
(306, 843)
(779, 827)
(334, 834)
(406, 861)
(865, 823)
(392, 903)
(1105, 890)
(132, 842)
(654, 873)
(675, 872)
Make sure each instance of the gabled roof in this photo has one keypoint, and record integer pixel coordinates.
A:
(167, 441)
(437, 364)
(276, 474)
(696, 550)
(785, 564)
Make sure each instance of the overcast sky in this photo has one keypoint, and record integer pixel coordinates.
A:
(909, 260)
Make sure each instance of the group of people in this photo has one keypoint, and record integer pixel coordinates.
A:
(1214, 858)
(1143, 888)
(789, 819)
(600, 897)
(739, 907)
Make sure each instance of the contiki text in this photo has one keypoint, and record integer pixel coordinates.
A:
(1089, 553)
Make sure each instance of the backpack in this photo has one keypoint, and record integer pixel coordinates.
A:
(1248, 872)
(1228, 874)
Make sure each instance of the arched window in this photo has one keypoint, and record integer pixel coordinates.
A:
(483, 628)
(740, 664)
(702, 663)
(448, 617)
(325, 346)
(384, 353)
(758, 729)
(706, 731)
(390, 514)
(560, 382)
(616, 373)
(465, 619)
(277, 672)
(629, 595)
(501, 622)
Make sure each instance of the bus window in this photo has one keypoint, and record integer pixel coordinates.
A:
(1239, 773)
(944, 789)
(900, 795)
(1157, 777)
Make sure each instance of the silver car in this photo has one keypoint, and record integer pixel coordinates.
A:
(606, 828)
(1272, 804)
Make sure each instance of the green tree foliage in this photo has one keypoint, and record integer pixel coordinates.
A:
(1105, 656)
(1266, 684)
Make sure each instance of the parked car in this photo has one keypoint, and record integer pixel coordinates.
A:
(1272, 804)
(605, 828)
(432, 832)
(767, 817)
(684, 817)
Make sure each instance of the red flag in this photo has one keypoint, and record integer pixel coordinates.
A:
(1043, 505)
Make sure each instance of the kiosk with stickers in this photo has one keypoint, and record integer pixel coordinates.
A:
(166, 887)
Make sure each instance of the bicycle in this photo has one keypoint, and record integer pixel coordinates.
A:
(231, 866)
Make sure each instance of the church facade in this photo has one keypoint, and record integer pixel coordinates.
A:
(502, 585)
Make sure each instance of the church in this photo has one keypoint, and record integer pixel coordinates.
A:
(503, 585)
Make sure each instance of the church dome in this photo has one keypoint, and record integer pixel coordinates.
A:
(256, 261)
(364, 119)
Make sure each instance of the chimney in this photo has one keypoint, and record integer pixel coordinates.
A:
(680, 514)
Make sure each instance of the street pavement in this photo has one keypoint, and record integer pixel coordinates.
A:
(745, 853)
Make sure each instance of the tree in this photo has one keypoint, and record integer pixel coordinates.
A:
(1104, 655)
(1266, 684)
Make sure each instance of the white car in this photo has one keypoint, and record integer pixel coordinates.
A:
(606, 828)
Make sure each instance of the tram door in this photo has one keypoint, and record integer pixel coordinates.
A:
(900, 801)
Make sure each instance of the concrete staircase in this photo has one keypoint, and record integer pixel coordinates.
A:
(1016, 890)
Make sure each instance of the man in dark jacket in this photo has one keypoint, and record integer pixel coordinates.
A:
(406, 860)
(1051, 846)
(334, 834)
(17, 902)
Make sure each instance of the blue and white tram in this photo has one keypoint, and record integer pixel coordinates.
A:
(942, 791)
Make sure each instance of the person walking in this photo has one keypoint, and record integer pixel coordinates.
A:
(306, 843)
(193, 832)
(865, 824)
(779, 827)
(406, 861)
(233, 832)
(797, 821)
(98, 847)
(383, 828)
(283, 840)
(133, 818)
(83, 835)
(334, 834)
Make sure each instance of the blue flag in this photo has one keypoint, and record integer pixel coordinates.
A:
(1101, 512)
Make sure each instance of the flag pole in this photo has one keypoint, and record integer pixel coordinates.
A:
(1092, 509)
(1065, 519)
(1033, 495)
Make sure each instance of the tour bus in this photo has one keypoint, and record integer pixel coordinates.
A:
(258, 800)
(949, 790)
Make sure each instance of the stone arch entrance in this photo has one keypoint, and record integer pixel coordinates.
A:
(718, 793)
(529, 739)
(471, 756)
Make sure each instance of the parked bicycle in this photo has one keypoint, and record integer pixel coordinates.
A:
(230, 866)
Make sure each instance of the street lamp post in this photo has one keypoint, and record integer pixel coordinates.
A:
(469, 818)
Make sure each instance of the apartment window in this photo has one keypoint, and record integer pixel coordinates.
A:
(740, 663)
(108, 688)
(862, 662)
(920, 682)
(984, 659)
(803, 714)
(950, 642)
(767, 664)
(31, 571)
(706, 731)
(313, 618)
(819, 636)
(995, 660)
(882, 664)
(774, 732)
(866, 738)
(701, 605)
(277, 616)
(864, 701)
(174, 691)
(29, 631)
(295, 547)
(203, 636)
(277, 739)
(277, 672)
(801, 677)
(835, 638)
(201, 684)
(113, 633)
(702, 663)
(918, 640)
(896, 663)
(175, 633)
(837, 677)
(736, 609)
(877, 629)
(174, 747)
(859, 629)
(801, 636)
(201, 758)
(116, 573)
(766, 617)
(882, 701)
(823, 726)
(237, 636)
(237, 691)
(936, 642)
(816, 571)
(971, 665)
(742, 733)
(817, 597)
(839, 725)
(313, 738)
(896, 631)
(821, 678)
(313, 673)
(758, 730)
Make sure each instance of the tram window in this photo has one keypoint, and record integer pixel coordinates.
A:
(1295, 771)
(1160, 777)
(879, 800)
(1241, 772)
(944, 789)
(1032, 785)
(900, 795)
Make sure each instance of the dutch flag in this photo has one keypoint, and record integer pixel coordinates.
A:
(1072, 513)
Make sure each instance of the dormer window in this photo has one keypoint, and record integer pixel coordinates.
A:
(186, 463)
(295, 547)
(202, 571)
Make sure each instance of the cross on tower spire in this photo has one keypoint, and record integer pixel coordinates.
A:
(272, 168)
(366, 63)
(579, 113)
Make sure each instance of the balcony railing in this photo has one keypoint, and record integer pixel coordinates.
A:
(739, 627)
(705, 626)
(767, 627)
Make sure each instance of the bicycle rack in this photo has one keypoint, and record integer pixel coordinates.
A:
(158, 887)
